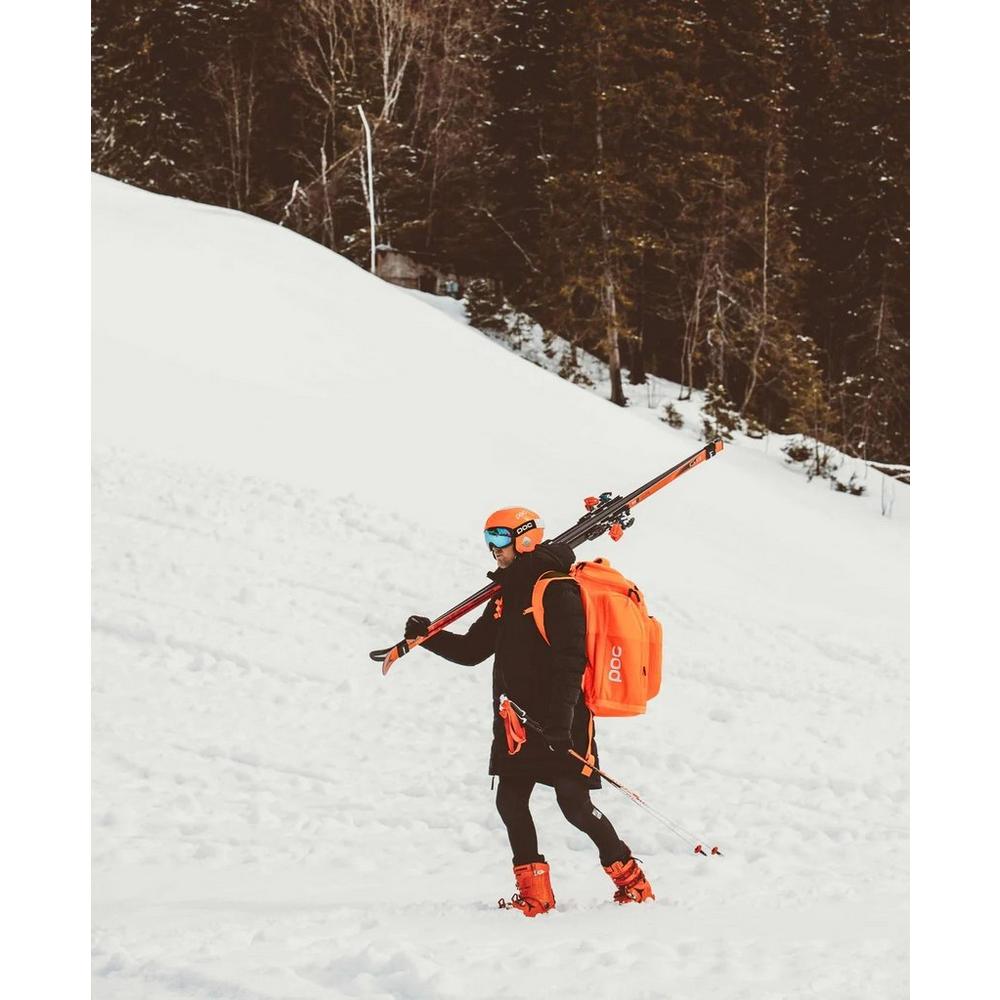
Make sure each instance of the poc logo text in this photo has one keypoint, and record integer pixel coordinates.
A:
(615, 665)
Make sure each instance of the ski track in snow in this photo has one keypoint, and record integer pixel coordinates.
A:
(274, 819)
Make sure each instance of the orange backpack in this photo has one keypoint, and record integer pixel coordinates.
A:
(624, 642)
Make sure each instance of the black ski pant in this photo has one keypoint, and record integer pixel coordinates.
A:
(573, 798)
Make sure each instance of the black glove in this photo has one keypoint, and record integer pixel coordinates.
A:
(416, 627)
(559, 740)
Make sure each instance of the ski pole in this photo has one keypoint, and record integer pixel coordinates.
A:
(605, 513)
(674, 828)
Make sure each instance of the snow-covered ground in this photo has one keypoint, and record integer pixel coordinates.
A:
(652, 399)
(291, 456)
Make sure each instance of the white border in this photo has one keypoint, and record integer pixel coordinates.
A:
(954, 509)
(45, 498)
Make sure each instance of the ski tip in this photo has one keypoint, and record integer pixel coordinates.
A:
(387, 657)
(400, 649)
(717, 852)
(700, 850)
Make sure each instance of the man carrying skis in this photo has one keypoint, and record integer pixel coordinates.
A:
(544, 679)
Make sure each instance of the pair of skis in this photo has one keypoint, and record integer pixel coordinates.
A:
(604, 514)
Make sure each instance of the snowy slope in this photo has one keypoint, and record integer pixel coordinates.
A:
(650, 400)
(291, 456)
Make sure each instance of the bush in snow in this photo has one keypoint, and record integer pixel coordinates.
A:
(719, 414)
(817, 460)
(670, 415)
(852, 486)
(518, 328)
(569, 368)
(797, 451)
(485, 305)
(548, 344)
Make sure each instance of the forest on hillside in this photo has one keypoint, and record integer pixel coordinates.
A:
(715, 192)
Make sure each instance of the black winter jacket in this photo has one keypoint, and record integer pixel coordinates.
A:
(543, 678)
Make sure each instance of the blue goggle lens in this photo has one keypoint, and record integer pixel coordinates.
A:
(498, 538)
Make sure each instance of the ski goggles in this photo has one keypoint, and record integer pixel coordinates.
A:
(498, 538)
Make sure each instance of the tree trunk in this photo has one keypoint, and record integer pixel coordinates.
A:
(609, 291)
(692, 333)
(762, 336)
(234, 90)
(866, 418)
(637, 363)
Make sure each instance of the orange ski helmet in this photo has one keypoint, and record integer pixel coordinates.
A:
(518, 524)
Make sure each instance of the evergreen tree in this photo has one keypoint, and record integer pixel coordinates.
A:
(851, 146)
(594, 194)
(148, 110)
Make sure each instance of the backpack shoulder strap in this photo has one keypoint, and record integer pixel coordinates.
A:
(537, 609)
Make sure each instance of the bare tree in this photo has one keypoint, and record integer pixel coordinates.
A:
(451, 94)
(762, 322)
(232, 82)
(334, 45)
(609, 283)
(692, 328)
(399, 26)
(321, 41)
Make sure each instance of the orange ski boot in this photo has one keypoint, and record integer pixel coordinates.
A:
(633, 886)
(534, 890)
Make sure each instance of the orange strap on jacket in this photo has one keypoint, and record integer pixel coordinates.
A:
(589, 759)
(513, 727)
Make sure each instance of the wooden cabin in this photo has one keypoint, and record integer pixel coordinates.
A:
(403, 269)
